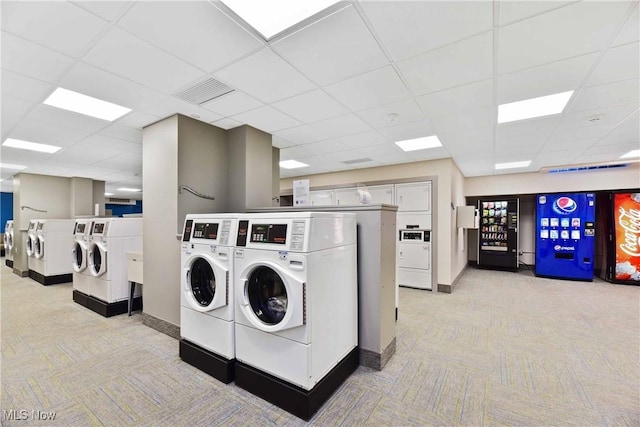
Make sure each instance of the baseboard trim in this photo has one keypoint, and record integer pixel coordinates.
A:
(377, 361)
(208, 362)
(8, 263)
(103, 308)
(161, 325)
(20, 272)
(50, 280)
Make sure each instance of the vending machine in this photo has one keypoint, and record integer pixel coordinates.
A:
(624, 251)
(498, 234)
(565, 234)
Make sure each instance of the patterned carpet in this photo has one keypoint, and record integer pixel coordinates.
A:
(502, 349)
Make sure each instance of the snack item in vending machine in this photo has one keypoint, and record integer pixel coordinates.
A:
(626, 207)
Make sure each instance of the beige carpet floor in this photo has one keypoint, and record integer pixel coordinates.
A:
(502, 349)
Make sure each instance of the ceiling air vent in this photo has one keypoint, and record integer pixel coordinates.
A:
(118, 201)
(204, 91)
(354, 161)
(582, 168)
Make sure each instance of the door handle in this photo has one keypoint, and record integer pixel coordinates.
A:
(245, 291)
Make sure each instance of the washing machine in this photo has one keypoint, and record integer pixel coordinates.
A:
(296, 319)
(31, 246)
(8, 243)
(79, 256)
(414, 259)
(108, 287)
(206, 294)
(50, 257)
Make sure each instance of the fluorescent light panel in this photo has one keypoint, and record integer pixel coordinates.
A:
(292, 164)
(630, 154)
(32, 146)
(131, 190)
(419, 143)
(108, 194)
(87, 105)
(513, 165)
(11, 166)
(534, 107)
(272, 17)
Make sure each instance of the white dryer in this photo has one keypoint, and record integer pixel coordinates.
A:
(51, 262)
(296, 306)
(111, 239)
(31, 247)
(8, 243)
(206, 294)
(79, 257)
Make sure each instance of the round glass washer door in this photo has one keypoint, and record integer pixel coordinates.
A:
(38, 247)
(205, 290)
(267, 295)
(97, 260)
(30, 246)
(78, 257)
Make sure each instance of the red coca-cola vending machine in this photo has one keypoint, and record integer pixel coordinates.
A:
(624, 237)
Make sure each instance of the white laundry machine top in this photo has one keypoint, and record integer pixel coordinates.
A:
(81, 228)
(212, 229)
(55, 226)
(296, 231)
(116, 227)
(33, 225)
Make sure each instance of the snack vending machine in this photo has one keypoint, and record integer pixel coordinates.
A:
(624, 253)
(565, 234)
(498, 234)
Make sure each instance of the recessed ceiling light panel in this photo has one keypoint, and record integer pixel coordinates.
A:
(108, 194)
(534, 107)
(419, 143)
(292, 164)
(131, 190)
(11, 166)
(631, 154)
(84, 104)
(513, 165)
(272, 17)
(32, 146)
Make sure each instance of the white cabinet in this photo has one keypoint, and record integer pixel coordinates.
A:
(347, 196)
(321, 197)
(414, 196)
(381, 194)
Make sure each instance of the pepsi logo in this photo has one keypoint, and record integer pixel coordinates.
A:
(564, 205)
(556, 247)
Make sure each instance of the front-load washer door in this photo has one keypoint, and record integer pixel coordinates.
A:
(271, 299)
(30, 245)
(38, 247)
(5, 239)
(97, 259)
(10, 241)
(79, 257)
(205, 283)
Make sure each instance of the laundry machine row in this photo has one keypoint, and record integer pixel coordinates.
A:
(47, 246)
(105, 289)
(275, 306)
(8, 243)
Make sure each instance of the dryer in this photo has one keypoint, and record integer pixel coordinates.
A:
(206, 294)
(111, 239)
(79, 256)
(51, 263)
(296, 306)
(31, 246)
(414, 258)
(8, 243)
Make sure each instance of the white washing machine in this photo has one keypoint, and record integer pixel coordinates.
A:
(296, 306)
(79, 256)
(206, 294)
(111, 239)
(31, 247)
(8, 243)
(51, 262)
(414, 259)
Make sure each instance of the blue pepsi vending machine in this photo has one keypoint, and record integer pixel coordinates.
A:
(565, 234)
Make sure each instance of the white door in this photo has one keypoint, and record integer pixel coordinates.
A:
(79, 256)
(321, 197)
(97, 259)
(347, 196)
(206, 283)
(414, 255)
(414, 196)
(381, 194)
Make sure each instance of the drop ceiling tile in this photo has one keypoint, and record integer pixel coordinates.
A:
(475, 167)
(573, 144)
(108, 10)
(511, 11)
(584, 132)
(57, 25)
(428, 154)
(83, 154)
(606, 116)
(413, 27)
(464, 62)
(332, 49)
(311, 106)
(23, 87)
(408, 131)
(23, 157)
(92, 81)
(560, 76)
(302, 134)
(125, 133)
(469, 120)
(48, 133)
(392, 114)
(32, 60)
(630, 32)
(619, 63)
(95, 172)
(281, 143)
(341, 126)
(592, 97)
(538, 125)
(625, 133)
(226, 123)
(232, 103)
(383, 151)
(555, 158)
(136, 119)
(523, 142)
(458, 99)
(614, 151)
(197, 32)
(468, 143)
(128, 56)
(371, 89)
(328, 146)
(295, 152)
(266, 118)
(581, 27)
(349, 155)
(363, 139)
(13, 110)
(67, 118)
(124, 162)
(168, 106)
(265, 76)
